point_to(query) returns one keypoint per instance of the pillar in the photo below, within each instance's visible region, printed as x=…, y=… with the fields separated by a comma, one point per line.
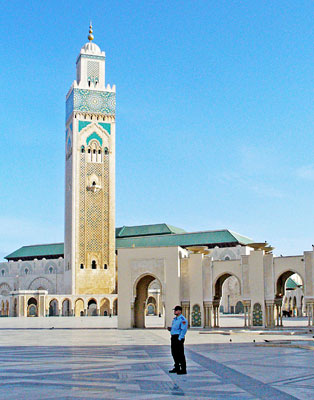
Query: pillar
x=207, y=315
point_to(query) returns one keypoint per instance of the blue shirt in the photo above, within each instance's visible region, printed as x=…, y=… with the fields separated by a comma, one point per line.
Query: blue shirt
x=179, y=326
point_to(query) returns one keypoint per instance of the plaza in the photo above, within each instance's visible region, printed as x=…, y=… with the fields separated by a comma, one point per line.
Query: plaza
x=129, y=364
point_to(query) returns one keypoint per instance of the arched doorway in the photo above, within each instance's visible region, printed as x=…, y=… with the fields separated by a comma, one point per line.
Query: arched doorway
x=289, y=300
x=228, y=306
x=105, y=307
x=79, y=308
x=32, y=307
x=66, y=308
x=53, y=308
x=92, y=308
x=145, y=287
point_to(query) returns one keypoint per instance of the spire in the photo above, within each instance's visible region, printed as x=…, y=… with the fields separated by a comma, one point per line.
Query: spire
x=90, y=36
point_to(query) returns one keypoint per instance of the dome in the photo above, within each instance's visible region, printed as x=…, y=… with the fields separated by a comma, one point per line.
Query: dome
x=91, y=47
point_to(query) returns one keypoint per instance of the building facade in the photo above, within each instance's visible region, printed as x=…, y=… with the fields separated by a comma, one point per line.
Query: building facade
x=151, y=268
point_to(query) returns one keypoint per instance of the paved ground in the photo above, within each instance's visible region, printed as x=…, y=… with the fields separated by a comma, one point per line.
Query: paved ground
x=111, y=364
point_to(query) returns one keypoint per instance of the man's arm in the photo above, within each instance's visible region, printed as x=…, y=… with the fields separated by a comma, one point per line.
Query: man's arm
x=184, y=328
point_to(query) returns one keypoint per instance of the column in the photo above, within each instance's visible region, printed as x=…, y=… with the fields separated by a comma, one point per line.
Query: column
x=245, y=324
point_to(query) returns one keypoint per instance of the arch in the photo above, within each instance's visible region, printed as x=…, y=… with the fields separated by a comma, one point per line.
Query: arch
x=26, y=267
x=137, y=280
x=151, y=300
x=5, y=289
x=239, y=308
x=281, y=280
x=105, y=307
x=227, y=253
x=92, y=307
x=32, y=310
x=53, y=308
x=115, y=307
x=4, y=270
x=7, y=308
x=140, y=291
x=151, y=309
x=79, y=307
x=66, y=307
x=94, y=136
x=53, y=265
x=220, y=281
x=41, y=282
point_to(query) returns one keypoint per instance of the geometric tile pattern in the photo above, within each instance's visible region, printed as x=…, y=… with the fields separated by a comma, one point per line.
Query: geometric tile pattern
x=92, y=101
x=215, y=371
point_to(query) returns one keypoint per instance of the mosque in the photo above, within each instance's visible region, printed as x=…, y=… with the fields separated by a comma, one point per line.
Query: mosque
x=135, y=271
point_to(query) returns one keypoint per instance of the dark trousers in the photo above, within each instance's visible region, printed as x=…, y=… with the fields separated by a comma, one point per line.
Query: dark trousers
x=177, y=351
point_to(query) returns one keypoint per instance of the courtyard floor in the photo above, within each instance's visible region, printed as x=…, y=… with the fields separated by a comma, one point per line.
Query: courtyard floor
x=133, y=364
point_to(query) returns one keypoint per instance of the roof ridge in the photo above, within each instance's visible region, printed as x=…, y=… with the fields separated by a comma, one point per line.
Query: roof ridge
x=178, y=234
x=42, y=244
x=237, y=233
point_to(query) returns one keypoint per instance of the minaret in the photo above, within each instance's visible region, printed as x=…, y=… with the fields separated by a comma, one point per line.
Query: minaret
x=90, y=177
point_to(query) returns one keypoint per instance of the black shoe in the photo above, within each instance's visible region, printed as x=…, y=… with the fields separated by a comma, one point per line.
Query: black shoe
x=173, y=371
x=182, y=372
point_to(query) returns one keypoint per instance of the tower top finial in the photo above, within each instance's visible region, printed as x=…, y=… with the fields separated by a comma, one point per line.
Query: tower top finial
x=90, y=36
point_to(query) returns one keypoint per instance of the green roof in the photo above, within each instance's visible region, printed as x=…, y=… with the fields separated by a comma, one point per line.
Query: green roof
x=158, y=235
x=291, y=284
x=207, y=238
x=147, y=230
x=39, y=250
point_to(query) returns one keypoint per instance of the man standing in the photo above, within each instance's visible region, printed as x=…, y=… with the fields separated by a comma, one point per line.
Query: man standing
x=178, y=331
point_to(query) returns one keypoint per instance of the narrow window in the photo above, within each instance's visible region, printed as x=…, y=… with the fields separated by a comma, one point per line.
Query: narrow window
x=50, y=270
x=2, y=272
x=99, y=151
x=94, y=265
x=94, y=151
x=26, y=271
x=105, y=266
x=94, y=183
x=88, y=150
x=82, y=266
x=82, y=149
x=106, y=150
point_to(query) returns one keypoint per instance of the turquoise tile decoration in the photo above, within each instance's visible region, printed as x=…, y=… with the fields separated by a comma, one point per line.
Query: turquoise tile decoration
x=91, y=101
x=69, y=106
x=106, y=126
x=94, y=101
x=83, y=124
x=257, y=315
x=94, y=136
x=196, y=315
x=91, y=57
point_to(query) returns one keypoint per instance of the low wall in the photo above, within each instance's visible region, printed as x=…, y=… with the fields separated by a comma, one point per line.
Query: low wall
x=58, y=322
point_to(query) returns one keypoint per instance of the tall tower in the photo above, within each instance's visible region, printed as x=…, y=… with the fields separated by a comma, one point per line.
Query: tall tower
x=90, y=177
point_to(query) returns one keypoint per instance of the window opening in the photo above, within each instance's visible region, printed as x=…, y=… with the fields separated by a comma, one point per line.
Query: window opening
x=105, y=266
x=82, y=266
x=94, y=265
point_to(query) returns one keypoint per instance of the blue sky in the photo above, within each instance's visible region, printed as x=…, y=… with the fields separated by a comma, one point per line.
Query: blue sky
x=214, y=115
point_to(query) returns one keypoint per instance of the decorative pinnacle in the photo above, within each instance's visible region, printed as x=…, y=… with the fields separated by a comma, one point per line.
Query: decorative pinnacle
x=90, y=36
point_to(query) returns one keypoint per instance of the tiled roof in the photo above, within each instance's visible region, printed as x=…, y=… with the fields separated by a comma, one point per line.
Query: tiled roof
x=158, y=235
